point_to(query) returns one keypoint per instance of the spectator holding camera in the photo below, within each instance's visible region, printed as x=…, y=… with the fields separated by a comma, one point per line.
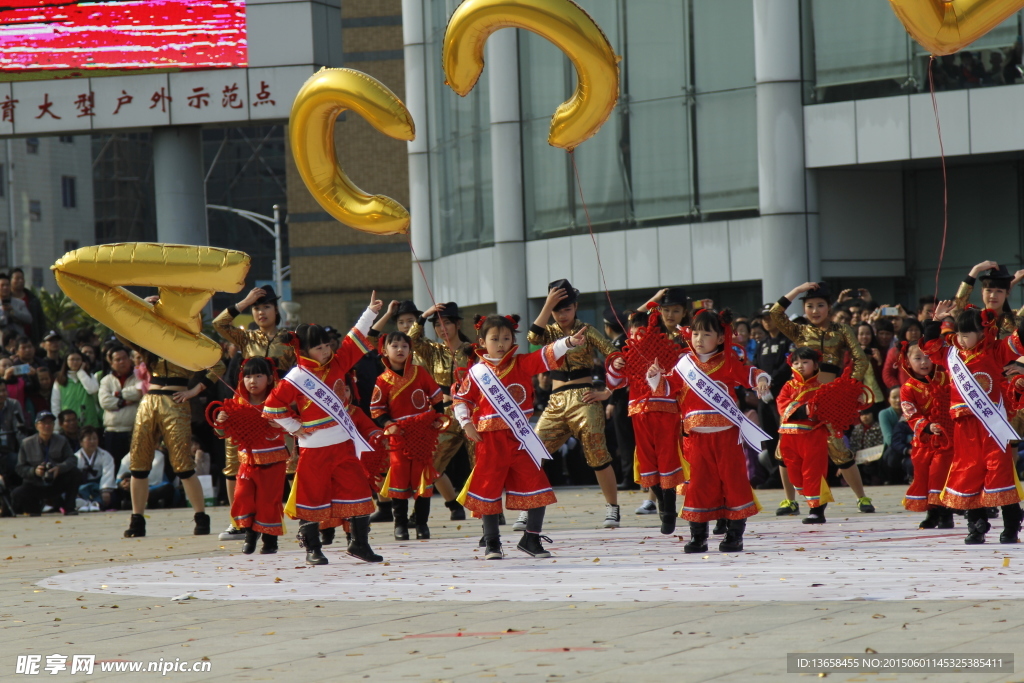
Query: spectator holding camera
x=76, y=389
x=48, y=469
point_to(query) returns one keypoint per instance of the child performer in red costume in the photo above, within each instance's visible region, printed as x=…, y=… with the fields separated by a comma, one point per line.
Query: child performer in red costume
x=718, y=484
x=656, y=425
x=256, y=507
x=803, y=440
x=493, y=405
x=403, y=392
x=924, y=398
x=329, y=482
x=982, y=473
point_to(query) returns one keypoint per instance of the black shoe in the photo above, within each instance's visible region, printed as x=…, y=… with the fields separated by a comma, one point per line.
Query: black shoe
x=668, y=523
x=945, y=517
x=202, y=524
x=864, y=504
x=315, y=557
x=531, y=545
x=931, y=519
x=628, y=486
x=327, y=536
x=787, y=507
x=269, y=545
x=136, y=526
x=991, y=513
x=1012, y=517
x=494, y=551
x=483, y=542
x=720, y=527
x=360, y=545
x=733, y=541
x=383, y=514
x=814, y=518
x=458, y=512
x=249, y=545
x=977, y=526
x=401, y=532
x=698, y=542
x=70, y=512
x=422, y=532
x=422, y=507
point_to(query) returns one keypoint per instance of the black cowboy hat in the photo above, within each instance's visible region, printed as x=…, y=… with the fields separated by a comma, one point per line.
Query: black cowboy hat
x=407, y=307
x=450, y=311
x=675, y=296
x=998, y=277
x=572, y=294
x=822, y=291
x=269, y=296
x=765, y=311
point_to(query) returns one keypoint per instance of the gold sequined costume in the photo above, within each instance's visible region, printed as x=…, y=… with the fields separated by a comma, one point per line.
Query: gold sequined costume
x=252, y=344
x=567, y=414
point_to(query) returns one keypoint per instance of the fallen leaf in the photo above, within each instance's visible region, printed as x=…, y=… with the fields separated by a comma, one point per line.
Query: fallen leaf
x=870, y=651
x=270, y=633
x=1006, y=561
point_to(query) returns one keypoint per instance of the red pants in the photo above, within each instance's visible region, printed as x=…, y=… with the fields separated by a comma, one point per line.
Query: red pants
x=981, y=474
x=718, y=486
x=406, y=475
x=931, y=468
x=331, y=483
x=658, y=450
x=257, y=504
x=502, y=465
x=806, y=458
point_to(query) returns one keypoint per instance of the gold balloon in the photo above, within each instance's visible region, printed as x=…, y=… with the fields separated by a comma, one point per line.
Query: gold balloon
x=565, y=24
x=947, y=26
x=187, y=276
x=324, y=96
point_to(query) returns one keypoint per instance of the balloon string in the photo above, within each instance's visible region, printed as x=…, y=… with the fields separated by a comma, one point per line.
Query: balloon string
x=433, y=303
x=945, y=184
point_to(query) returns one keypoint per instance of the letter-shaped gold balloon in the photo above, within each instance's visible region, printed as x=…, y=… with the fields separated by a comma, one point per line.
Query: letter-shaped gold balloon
x=565, y=24
x=324, y=96
x=947, y=26
x=187, y=276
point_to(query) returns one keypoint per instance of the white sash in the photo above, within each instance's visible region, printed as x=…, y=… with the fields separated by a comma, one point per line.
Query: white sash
x=509, y=410
x=720, y=400
x=991, y=415
x=328, y=401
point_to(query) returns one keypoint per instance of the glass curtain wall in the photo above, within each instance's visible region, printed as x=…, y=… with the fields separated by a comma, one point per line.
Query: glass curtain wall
x=859, y=50
x=459, y=141
x=681, y=144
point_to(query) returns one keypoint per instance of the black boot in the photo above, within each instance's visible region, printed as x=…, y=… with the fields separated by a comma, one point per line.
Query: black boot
x=360, y=545
x=666, y=508
x=816, y=515
x=249, y=546
x=977, y=526
x=458, y=512
x=401, y=511
x=531, y=545
x=721, y=526
x=1012, y=516
x=422, y=506
x=383, y=513
x=310, y=533
x=733, y=541
x=136, y=527
x=327, y=536
x=945, y=516
x=202, y=524
x=698, y=538
x=491, y=540
x=931, y=518
x=269, y=545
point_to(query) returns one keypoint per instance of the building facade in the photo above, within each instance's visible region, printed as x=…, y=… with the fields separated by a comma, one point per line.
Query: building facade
x=756, y=144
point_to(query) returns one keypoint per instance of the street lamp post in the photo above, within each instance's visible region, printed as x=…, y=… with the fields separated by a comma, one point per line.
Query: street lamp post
x=271, y=224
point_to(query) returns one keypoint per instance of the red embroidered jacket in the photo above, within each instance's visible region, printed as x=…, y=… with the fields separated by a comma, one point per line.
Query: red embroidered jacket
x=642, y=398
x=794, y=395
x=402, y=395
x=725, y=369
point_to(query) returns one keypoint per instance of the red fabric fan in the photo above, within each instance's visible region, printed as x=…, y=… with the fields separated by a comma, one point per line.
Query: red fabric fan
x=838, y=403
x=246, y=425
x=650, y=344
x=416, y=437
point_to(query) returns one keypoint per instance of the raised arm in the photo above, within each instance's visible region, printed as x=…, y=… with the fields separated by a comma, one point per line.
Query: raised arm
x=538, y=332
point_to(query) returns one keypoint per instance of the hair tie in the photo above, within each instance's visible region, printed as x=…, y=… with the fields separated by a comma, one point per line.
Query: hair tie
x=479, y=323
x=651, y=305
x=515, y=323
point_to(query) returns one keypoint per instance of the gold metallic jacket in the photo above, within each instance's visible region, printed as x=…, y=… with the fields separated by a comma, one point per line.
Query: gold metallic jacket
x=833, y=342
x=580, y=357
x=255, y=343
x=437, y=359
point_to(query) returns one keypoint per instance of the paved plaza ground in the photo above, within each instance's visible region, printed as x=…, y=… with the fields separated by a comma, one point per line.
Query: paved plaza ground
x=610, y=605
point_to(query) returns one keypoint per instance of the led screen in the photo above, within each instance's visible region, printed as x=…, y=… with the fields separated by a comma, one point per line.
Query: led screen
x=122, y=35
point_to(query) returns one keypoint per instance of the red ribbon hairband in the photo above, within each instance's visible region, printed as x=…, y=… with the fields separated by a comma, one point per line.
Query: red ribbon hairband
x=479, y=323
x=515, y=323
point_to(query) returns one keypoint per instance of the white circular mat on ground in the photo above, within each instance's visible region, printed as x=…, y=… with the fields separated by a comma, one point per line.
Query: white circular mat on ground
x=865, y=558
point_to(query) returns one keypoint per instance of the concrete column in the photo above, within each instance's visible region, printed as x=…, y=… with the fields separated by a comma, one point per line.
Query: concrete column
x=507, y=171
x=179, y=177
x=789, y=241
x=414, y=40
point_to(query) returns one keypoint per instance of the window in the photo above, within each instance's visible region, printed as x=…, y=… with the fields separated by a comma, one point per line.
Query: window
x=67, y=138
x=67, y=192
x=70, y=245
x=32, y=145
x=35, y=210
x=37, y=277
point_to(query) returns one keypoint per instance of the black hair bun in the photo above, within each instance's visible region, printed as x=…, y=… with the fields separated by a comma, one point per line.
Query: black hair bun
x=725, y=317
x=516, y=317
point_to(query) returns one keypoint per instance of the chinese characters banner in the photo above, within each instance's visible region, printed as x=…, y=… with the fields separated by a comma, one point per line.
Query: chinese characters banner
x=141, y=34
